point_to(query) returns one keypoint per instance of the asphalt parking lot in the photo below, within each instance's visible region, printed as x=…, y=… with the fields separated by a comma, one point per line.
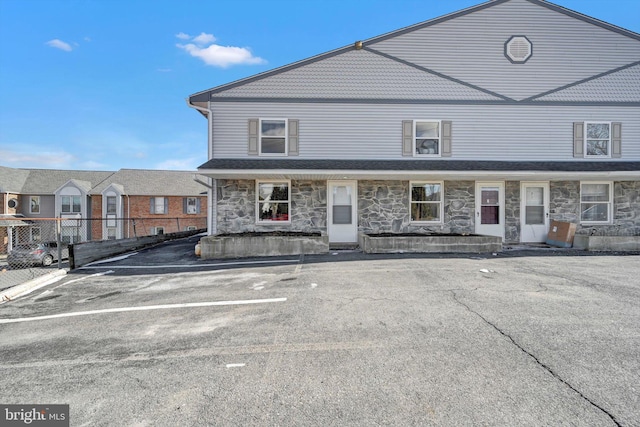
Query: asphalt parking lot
x=162, y=338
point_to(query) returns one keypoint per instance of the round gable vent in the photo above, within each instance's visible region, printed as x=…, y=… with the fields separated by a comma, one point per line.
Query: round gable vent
x=12, y=203
x=518, y=49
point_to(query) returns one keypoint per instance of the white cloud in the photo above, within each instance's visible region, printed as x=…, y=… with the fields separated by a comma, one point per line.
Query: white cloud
x=34, y=157
x=204, y=39
x=222, y=56
x=59, y=44
x=93, y=165
x=180, y=164
x=203, y=47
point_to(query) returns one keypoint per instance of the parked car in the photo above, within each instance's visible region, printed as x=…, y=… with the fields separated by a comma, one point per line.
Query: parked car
x=44, y=253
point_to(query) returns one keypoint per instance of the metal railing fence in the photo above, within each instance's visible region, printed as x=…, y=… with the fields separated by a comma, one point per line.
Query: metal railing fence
x=31, y=247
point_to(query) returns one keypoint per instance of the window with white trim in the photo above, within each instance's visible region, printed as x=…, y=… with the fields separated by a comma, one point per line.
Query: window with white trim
x=158, y=230
x=111, y=233
x=36, y=234
x=273, y=201
x=273, y=137
x=71, y=204
x=34, y=204
x=191, y=205
x=427, y=138
x=597, y=139
x=596, y=200
x=159, y=205
x=426, y=202
x=111, y=205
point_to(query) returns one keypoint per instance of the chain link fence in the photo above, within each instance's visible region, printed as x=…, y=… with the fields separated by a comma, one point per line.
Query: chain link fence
x=32, y=247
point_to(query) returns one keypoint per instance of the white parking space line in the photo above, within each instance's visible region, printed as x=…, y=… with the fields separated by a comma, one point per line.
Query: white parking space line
x=117, y=258
x=221, y=264
x=235, y=365
x=102, y=273
x=143, y=308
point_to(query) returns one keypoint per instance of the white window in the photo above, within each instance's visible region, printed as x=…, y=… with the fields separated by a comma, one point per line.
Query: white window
x=190, y=228
x=111, y=205
x=426, y=202
x=71, y=204
x=159, y=230
x=597, y=139
x=427, y=138
x=273, y=137
x=111, y=233
x=36, y=234
x=596, y=202
x=34, y=204
x=159, y=205
x=192, y=205
x=273, y=200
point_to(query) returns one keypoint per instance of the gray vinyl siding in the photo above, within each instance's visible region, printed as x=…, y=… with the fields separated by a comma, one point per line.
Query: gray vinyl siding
x=374, y=131
x=470, y=48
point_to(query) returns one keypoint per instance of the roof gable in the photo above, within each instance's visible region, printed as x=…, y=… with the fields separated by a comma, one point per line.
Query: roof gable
x=358, y=74
x=456, y=57
x=471, y=47
x=619, y=86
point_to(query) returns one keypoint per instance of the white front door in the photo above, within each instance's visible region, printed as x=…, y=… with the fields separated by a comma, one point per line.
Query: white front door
x=342, y=209
x=490, y=208
x=534, y=211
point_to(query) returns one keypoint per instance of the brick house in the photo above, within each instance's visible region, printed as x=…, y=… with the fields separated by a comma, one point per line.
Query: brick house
x=96, y=205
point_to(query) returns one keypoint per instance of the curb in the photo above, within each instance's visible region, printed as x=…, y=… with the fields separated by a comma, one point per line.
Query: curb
x=31, y=285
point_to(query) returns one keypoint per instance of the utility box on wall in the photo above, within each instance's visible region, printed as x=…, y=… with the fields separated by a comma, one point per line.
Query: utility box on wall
x=561, y=234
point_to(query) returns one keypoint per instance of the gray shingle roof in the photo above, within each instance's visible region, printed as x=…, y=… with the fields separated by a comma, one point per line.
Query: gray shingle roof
x=47, y=181
x=134, y=182
x=141, y=182
x=420, y=165
x=12, y=180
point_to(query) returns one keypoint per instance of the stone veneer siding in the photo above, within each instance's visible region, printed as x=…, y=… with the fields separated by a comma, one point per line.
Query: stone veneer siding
x=236, y=207
x=565, y=206
x=383, y=207
x=512, y=211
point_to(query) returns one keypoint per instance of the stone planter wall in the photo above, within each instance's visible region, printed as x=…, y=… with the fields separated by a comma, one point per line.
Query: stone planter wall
x=239, y=246
x=427, y=243
x=607, y=243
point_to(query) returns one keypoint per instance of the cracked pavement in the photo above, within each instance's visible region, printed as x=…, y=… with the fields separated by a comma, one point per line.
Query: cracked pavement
x=514, y=339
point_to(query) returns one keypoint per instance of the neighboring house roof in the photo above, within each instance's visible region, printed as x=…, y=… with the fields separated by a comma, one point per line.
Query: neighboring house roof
x=8, y=220
x=439, y=60
x=140, y=182
x=47, y=181
x=12, y=180
x=133, y=182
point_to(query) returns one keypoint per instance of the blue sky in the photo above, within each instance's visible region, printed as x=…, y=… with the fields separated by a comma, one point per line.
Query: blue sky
x=101, y=84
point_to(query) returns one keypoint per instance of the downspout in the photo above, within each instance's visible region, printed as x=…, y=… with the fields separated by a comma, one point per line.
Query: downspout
x=128, y=216
x=211, y=192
